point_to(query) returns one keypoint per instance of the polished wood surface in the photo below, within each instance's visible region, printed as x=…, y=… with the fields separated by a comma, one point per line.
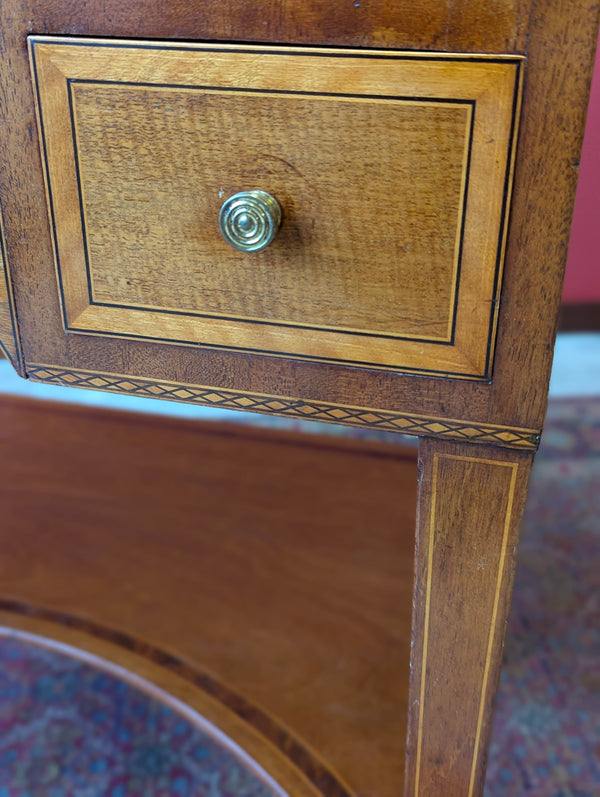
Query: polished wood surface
x=558, y=42
x=339, y=607
x=470, y=503
x=279, y=565
x=393, y=173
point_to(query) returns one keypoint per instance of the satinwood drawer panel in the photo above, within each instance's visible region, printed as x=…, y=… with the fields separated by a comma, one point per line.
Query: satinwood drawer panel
x=392, y=169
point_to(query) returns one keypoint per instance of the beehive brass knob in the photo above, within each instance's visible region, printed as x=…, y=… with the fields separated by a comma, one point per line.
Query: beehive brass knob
x=249, y=220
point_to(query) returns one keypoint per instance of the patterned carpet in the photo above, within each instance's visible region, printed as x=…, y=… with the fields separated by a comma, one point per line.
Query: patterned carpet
x=67, y=728
x=546, y=736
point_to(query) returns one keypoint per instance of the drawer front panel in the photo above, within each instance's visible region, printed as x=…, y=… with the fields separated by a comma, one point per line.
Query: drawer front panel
x=392, y=171
x=309, y=275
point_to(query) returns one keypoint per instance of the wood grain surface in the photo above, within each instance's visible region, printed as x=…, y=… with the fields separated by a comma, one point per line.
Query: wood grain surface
x=176, y=559
x=278, y=565
x=558, y=42
x=393, y=172
x=470, y=504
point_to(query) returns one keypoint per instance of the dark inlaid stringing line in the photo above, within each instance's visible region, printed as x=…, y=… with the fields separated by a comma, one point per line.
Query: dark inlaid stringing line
x=79, y=190
x=504, y=218
x=259, y=48
x=315, y=770
x=42, y=132
x=5, y=350
x=264, y=322
x=399, y=369
x=408, y=98
x=462, y=228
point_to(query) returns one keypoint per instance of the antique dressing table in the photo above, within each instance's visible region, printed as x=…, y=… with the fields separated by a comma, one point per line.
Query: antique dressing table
x=353, y=212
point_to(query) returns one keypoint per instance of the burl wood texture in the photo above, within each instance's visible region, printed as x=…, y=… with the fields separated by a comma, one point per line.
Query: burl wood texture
x=558, y=41
x=470, y=504
x=279, y=566
x=393, y=171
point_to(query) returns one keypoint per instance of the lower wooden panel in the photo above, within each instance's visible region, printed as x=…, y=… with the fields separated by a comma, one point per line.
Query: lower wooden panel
x=278, y=567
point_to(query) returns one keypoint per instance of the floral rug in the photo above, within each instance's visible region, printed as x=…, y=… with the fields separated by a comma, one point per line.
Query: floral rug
x=67, y=728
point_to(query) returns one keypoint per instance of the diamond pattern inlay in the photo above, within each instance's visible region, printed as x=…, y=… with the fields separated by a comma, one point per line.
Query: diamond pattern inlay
x=525, y=439
x=437, y=427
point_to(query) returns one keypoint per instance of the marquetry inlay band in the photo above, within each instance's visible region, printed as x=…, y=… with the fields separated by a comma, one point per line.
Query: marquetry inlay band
x=421, y=425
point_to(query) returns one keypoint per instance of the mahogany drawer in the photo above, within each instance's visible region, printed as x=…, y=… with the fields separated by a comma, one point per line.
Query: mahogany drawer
x=392, y=170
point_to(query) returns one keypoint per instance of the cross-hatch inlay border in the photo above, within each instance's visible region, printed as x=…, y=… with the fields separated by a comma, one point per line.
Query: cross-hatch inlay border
x=426, y=426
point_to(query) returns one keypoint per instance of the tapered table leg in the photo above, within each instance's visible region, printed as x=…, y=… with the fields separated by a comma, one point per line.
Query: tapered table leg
x=471, y=499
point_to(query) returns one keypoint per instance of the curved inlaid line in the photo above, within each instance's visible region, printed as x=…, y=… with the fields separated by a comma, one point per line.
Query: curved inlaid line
x=302, y=758
x=151, y=691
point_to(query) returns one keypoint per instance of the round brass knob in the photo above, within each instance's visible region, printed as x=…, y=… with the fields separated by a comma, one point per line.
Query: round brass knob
x=249, y=220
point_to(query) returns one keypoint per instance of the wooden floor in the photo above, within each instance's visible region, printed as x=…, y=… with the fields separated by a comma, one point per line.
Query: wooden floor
x=273, y=569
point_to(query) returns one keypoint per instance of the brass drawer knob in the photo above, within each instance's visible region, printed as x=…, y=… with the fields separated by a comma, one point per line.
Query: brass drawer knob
x=249, y=220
